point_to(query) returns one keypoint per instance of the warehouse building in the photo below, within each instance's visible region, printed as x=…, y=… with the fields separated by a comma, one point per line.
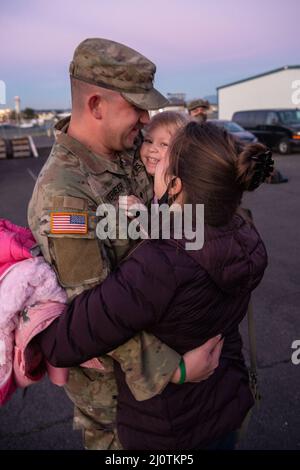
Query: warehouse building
x=279, y=88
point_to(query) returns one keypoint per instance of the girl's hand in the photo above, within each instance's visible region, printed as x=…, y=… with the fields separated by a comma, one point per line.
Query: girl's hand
x=125, y=202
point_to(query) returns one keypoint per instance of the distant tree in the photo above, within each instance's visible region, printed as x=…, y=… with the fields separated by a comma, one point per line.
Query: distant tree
x=12, y=115
x=29, y=113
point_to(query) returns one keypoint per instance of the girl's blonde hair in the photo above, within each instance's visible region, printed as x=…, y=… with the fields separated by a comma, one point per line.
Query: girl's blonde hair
x=173, y=120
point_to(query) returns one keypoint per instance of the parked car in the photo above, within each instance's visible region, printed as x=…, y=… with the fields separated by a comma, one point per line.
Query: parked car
x=237, y=131
x=277, y=128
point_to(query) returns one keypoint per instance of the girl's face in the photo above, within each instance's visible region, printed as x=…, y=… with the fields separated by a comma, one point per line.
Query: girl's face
x=154, y=147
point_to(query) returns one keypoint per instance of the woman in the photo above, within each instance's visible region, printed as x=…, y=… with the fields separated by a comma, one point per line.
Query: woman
x=182, y=297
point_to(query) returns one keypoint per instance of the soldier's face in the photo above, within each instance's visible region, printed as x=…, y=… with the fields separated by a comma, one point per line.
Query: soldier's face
x=198, y=111
x=154, y=148
x=123, y=122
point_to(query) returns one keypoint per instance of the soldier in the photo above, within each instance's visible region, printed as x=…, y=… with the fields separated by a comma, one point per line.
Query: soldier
x=94, y=161
x=198, y=109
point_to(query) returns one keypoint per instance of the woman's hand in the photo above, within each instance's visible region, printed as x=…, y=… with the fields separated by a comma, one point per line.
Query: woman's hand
x=201, y=362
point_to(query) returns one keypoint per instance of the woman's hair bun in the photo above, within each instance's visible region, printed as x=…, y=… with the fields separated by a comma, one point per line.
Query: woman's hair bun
x=253, y=165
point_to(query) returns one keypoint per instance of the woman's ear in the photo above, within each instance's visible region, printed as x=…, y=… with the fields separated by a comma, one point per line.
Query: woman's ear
x=95, y=106
x=175, y=186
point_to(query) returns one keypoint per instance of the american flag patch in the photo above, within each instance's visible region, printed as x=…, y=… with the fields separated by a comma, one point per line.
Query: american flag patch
x=68, y=222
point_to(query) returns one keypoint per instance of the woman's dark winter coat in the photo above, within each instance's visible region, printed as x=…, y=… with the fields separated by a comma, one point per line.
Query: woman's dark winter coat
x=184, y=298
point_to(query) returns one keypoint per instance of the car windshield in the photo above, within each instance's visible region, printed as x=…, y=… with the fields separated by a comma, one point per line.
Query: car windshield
x=233, y=127
x=290, y=117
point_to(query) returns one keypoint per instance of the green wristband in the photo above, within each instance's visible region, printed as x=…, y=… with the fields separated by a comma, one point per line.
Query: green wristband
x=182, y=371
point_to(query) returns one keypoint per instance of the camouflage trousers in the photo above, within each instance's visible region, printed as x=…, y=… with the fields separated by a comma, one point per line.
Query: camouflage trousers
x=94, y=395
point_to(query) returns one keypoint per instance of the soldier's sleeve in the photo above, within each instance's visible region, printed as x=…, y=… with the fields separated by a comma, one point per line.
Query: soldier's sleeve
x=148, y=364
x=64, y=228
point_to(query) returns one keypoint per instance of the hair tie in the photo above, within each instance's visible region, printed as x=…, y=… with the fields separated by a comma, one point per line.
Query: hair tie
x=263, y=167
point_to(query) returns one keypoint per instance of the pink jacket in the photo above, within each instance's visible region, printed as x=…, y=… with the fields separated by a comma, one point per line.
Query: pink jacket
x=30, y=299
x=15, y=244
x=24, y=281
x=29, y=366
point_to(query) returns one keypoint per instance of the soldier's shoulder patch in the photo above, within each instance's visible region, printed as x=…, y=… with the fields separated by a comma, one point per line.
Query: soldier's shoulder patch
x=68, y=223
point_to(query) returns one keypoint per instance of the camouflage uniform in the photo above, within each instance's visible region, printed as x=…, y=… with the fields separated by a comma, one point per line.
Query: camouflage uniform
x=74, y=180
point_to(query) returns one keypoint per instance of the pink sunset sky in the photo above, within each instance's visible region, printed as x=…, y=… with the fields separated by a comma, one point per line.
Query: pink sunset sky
x=197, y=45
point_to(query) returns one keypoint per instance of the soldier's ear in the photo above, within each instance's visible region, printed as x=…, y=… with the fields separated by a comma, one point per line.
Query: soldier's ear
x=95, y=106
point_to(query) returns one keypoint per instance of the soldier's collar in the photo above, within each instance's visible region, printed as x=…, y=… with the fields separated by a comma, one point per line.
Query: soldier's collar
x=95, y=164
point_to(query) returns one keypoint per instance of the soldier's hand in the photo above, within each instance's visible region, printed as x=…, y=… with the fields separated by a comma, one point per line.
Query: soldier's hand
x=201, y=362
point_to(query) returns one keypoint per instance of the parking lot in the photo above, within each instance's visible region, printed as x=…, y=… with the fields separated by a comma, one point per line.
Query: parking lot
x=42, y=417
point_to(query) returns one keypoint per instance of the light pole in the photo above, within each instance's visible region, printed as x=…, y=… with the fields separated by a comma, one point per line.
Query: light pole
x=17, y=109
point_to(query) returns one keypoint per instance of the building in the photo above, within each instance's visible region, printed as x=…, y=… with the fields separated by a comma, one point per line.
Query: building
x=176, y=103
x=5, y=114
x=45, y=116
x=273, y=89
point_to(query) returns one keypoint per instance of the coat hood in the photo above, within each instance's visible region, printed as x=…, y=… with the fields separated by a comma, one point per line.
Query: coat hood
x=234, y=256
x=15, y=244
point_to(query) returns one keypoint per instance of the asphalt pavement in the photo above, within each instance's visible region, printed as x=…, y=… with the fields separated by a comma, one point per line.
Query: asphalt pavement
x=41, y=418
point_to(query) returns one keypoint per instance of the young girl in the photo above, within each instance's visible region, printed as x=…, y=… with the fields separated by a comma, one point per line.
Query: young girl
x=182, y=297
x=157, y=137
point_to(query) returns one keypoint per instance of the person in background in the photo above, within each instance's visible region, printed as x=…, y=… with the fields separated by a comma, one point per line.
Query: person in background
x=198, y=109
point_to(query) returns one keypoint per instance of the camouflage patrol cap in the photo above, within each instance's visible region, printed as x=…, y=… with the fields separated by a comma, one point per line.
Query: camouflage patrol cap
x=199, y=103
x=109, y=64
